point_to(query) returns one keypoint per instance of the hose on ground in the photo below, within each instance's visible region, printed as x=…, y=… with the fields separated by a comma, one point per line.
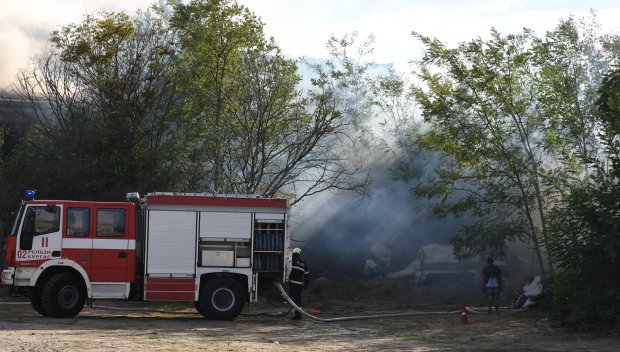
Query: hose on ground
x=486, y=311
x=300, y=310
x=149, y=310
x=270, y=314
x=357, y=317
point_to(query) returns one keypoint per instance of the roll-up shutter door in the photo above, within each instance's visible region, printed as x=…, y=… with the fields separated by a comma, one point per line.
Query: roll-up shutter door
x=220, y=225
x=171, y=242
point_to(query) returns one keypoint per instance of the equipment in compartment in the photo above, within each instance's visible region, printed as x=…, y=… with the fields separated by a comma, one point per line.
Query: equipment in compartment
x=224, y=254
x=269, y=246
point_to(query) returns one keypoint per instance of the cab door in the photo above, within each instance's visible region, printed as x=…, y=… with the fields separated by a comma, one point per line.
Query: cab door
x=77, y=242
x=111, y=253
x=40, y=235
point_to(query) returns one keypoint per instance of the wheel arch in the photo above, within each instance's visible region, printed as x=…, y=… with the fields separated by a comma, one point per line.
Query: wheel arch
x=51, y=268
x=242, y=279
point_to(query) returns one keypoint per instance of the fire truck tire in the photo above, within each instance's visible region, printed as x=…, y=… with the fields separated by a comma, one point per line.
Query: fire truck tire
x=221, y=298
x=35, y=301
x=63, y=296
x=198, y=309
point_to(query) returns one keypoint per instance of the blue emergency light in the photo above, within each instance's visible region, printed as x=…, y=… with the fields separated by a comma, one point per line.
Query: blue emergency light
x=29, y=194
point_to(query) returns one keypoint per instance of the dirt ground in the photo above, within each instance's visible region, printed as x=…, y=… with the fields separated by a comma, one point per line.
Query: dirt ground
x=263, y=328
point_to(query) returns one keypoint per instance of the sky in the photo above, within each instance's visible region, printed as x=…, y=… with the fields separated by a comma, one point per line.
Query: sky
x=302, y=27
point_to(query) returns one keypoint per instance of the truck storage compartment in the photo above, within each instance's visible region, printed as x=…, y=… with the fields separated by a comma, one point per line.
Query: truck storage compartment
x=269, y=243
x=224, y=253
x=171, y=243
x=225, y=225
x=243, y=253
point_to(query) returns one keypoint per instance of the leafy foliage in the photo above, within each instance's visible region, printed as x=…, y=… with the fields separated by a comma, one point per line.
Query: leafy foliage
x=103, y=98
x=586, y=232
x=586, y=243
x=514, y=118
x=578, y=302
x=395, y=106
x=479, y=103
x=609, y=111
x=254, y=131
x=187, y=97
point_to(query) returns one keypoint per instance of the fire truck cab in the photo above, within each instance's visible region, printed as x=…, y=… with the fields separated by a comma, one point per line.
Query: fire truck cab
x=213, y=250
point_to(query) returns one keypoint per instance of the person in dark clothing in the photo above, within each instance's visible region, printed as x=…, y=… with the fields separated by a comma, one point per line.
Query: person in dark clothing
x=298, y=279
x=492, y=284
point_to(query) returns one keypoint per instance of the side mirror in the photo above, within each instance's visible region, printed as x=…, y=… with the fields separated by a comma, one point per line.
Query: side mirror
x=27, y=234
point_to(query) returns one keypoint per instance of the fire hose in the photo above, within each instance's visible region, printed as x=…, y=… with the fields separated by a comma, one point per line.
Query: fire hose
x=300, y=310
x=357, y=317
x=136, y=309
x=167, y=311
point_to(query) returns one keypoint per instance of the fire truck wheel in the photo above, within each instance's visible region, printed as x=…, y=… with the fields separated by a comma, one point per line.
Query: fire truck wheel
x=198, y=309
x=221, y=298
x=63, y=296
x=35, y=301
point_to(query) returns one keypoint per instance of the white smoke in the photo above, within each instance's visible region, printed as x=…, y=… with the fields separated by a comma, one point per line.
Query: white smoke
x=25, y=26
x=338, y=229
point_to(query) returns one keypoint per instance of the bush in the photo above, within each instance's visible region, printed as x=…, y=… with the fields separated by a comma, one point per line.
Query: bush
x=584, y=304
x=585, y=241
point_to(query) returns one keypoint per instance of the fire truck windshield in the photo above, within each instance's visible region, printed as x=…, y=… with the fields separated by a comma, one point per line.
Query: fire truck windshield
x=18, y=219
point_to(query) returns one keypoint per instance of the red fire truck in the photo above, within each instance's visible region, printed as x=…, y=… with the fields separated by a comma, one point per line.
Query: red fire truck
x=213, y=250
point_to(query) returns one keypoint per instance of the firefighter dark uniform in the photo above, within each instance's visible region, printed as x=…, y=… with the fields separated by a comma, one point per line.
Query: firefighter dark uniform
x=298, y=279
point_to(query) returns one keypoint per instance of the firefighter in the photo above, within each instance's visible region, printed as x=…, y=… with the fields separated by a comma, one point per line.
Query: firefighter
x=298, y=279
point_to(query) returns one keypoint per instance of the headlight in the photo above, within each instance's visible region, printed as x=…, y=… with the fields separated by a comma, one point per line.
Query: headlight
x=7, y=275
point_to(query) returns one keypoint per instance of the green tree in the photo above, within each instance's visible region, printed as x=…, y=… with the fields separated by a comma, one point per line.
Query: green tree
x=586, y=244
x=478, y=102
x=104, y=98
x=572, y=60
x=255, y=130
x=192, y=97
x=214, y=36
x=608, y=117
x=585, y=231
x=514, y=119
x=399, y=127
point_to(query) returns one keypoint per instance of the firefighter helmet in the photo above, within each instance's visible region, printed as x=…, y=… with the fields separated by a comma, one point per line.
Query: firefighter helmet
x=296, y=251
